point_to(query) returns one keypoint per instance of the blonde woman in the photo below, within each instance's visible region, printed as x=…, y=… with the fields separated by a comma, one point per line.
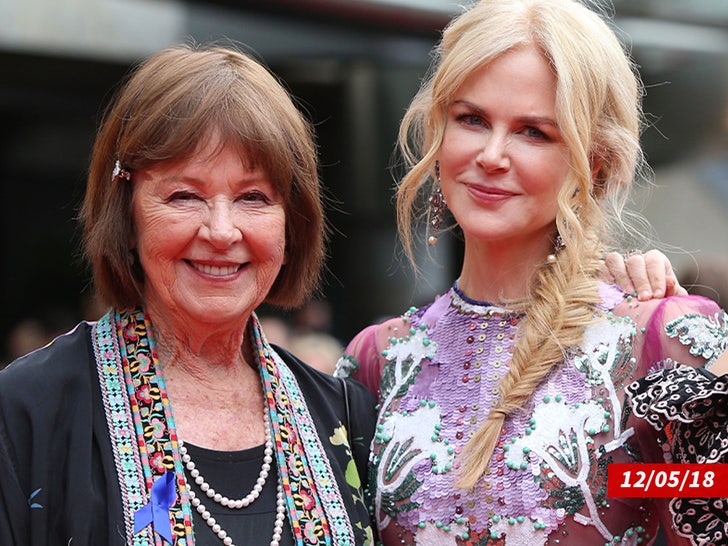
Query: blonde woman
x=501, y=403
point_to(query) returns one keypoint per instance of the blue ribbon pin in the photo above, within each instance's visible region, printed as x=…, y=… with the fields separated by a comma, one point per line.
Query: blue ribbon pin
x=156, y=511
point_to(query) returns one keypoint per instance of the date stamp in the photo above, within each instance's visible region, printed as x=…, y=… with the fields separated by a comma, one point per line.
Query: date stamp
x=667, y=480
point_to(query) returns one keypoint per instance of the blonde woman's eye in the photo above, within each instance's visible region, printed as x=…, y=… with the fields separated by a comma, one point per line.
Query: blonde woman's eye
x=538, y=134
x=470, y=119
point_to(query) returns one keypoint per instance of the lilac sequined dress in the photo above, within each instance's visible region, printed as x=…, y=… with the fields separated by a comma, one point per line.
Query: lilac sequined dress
x=436, y=372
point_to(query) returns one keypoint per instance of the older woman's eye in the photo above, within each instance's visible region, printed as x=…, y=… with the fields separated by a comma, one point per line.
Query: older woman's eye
x=182, y=196
x=255, y=196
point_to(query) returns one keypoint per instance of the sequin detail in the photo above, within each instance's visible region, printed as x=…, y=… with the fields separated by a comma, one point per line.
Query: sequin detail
x=706, y=336
x=440, y=381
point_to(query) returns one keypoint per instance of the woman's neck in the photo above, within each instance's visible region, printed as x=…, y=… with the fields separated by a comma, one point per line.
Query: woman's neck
x=180, y=339
x=213, y=384
x=500, y=272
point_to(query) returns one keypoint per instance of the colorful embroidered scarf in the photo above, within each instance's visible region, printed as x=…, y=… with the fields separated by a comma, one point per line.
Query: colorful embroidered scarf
x=145, y=444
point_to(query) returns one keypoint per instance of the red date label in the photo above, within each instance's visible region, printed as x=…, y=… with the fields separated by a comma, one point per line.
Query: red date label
x=667, y=480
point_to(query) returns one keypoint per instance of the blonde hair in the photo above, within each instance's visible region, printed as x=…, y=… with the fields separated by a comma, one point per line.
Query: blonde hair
x=170, y=105
x=598, y=110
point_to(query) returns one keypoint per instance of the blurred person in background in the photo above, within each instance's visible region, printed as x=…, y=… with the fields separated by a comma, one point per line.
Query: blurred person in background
x=319, y=349
x=36, y=331
x=277, y=329
x=26, y=336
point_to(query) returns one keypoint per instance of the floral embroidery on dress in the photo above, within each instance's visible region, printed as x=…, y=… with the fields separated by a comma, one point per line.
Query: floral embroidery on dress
x=551, y=462
x=706, y=336
x=547, y=479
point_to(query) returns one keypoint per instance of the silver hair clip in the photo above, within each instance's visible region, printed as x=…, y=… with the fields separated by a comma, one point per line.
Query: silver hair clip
x=119, y=172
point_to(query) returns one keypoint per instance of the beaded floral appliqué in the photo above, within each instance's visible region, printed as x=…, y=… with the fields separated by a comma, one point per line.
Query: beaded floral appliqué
x=557, y=446
x=551, y=469
x=401, y=438
x=706, y=336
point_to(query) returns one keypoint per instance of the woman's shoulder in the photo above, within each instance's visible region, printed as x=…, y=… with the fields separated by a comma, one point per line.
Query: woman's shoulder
x=49, y=369
x=327, y=391
x=686, y=329
x=672, y=313
x=381, y=333
x=363, y=357
x=665, y=309
x=43, y=393
x=313, y=378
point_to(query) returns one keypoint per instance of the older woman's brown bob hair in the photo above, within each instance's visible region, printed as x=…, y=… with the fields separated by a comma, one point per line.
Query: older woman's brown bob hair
x=170, y=105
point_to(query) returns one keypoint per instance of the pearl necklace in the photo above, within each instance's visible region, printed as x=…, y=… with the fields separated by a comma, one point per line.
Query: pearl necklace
x=222, y=534
x=237, y=504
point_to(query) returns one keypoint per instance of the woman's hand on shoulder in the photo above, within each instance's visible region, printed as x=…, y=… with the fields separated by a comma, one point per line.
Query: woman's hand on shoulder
x=648, y=275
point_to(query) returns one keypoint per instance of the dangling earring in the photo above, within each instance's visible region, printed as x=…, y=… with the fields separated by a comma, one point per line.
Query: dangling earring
x=437, y=208
x=558, y=246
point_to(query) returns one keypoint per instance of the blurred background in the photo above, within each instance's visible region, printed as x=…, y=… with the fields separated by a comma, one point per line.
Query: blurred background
x=353, y=65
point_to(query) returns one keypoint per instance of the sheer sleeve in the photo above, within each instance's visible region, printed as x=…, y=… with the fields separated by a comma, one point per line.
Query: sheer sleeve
x=691, y=330
x=677, y=394
x=363, y=358
x=682, y=406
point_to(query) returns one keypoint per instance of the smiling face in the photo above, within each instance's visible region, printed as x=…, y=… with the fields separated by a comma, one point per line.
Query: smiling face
x=210, y=234
x=502, y=159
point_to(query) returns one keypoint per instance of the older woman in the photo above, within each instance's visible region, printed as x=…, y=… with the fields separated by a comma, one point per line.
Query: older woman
x=171, y=419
